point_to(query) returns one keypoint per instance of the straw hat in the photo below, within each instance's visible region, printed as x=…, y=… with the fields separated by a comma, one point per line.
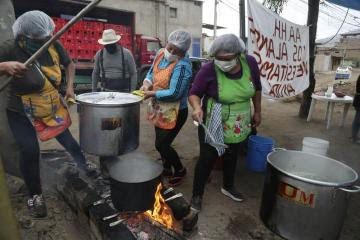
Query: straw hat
x=108, y=37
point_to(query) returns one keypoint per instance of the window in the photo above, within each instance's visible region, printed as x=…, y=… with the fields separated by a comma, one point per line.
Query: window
x=173, y=12
x=153, y=46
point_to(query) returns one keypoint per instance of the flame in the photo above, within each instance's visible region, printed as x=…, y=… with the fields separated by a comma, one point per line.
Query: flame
x=162, y=212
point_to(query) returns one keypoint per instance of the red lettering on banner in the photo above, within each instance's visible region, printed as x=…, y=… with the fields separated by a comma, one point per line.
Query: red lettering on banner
x=276, y=73
x=284, y=72
x=282, y=90
x=266, y=66
x=280, y=29
x=305, y=65
x=298, y=35
x=292, y=34
x=264, y=42
x=270, y=49
x=284, y=51
x=258, y=56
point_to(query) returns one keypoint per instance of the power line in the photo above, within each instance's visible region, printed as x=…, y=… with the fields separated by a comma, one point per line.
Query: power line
x=226, y=4
x=230, y=3
x=338, y=29
x=334, y=6
x=327, y=13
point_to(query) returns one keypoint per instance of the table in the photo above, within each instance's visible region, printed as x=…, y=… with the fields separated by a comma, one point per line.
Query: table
x=347, y=101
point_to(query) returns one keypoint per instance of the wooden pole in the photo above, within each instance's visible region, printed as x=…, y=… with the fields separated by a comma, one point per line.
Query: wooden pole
x=312, y=19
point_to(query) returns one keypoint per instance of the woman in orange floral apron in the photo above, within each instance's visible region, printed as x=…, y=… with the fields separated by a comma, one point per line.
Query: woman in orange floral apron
x=221, y=98
x=166, y=84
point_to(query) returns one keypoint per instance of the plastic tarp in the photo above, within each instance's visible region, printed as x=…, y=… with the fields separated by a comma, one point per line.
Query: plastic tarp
x=352, y=4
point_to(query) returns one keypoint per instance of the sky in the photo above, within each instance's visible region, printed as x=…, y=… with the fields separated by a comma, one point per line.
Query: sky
x=330, y=16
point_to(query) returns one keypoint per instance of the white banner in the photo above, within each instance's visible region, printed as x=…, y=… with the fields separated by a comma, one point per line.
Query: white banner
x=281, y=49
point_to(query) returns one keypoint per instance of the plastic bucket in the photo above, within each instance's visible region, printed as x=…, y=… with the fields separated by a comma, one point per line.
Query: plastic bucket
x=258, y=149
x=315, y=145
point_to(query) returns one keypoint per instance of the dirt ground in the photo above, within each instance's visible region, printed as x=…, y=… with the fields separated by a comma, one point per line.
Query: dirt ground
x=222, y=218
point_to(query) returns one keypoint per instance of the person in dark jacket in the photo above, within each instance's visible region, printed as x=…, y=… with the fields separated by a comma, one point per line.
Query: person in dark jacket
x=31, y=31
x=356, y=122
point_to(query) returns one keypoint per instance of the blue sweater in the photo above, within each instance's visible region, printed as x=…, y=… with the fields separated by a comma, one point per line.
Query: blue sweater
x=179, y=81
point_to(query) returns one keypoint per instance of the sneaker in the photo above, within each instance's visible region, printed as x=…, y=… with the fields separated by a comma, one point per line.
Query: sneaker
x=196, y=202
x=233, y=194
x=37, y=206
x=177, y=178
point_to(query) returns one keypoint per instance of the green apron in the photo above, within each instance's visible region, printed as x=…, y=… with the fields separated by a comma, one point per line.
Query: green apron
x=234, y=95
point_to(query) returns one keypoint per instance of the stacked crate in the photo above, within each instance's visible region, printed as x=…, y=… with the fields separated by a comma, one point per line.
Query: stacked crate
x=81, y=40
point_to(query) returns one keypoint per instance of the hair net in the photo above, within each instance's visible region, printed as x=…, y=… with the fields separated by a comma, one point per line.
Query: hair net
x=33, y=24
x=227, y=43
x=181, y=39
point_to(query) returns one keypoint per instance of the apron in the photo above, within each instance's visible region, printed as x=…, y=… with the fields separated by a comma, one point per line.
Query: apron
x=162, y=114
x=234, y=95
x=46, y=109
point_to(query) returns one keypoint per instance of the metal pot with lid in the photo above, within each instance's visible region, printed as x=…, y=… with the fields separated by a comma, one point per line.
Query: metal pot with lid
x=109, y=122
x=134, y=179
x=305, y=195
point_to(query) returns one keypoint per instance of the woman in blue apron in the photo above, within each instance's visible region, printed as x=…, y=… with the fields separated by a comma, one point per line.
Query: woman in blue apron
x=167, y=84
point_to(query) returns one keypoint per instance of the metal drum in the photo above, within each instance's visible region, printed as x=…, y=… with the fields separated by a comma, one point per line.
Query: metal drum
x=306, y=195
x=109, y=122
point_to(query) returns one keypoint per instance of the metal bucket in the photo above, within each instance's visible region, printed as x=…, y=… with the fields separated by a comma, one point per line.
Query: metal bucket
x=109, y=122
x=305, y=195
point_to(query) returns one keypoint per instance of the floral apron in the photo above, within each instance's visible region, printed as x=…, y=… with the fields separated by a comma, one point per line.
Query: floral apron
x=162, y=114
x=234, y=95
x=47, y=109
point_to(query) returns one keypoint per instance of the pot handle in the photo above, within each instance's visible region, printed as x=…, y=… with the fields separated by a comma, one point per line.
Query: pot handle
x=278, y=149
x=356, y=190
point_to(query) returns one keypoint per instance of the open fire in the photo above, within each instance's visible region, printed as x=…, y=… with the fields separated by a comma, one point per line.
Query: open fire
x=161, y=212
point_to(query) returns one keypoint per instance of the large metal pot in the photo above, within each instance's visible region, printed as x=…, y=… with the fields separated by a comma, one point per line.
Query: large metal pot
x=109, y=122
x=134, y=178
x=306, y=195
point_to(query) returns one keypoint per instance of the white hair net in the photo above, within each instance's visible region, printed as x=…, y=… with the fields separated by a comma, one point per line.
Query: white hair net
x=33, y=24
x=181, y=39
x=227, y=44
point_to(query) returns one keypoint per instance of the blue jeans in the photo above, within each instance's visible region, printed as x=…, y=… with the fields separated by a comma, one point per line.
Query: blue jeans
x=356, y=126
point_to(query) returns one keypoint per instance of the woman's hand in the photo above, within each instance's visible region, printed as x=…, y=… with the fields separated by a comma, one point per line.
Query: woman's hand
x=149, y=94
x=257, y=119
x=198, y=114
x=70, y=93
x=13, y=68
x=146, y=86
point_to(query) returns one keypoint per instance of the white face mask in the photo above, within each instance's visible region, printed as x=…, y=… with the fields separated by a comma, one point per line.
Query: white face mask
x=226, y=66
x=170, y=57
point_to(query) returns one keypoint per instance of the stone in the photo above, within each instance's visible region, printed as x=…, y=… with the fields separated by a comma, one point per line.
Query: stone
x=26, y=222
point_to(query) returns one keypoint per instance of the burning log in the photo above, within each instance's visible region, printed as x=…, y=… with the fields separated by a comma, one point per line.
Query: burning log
x=178, y=204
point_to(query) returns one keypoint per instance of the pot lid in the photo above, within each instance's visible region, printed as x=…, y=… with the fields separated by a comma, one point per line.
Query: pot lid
x=108, y=98
x=134, y=167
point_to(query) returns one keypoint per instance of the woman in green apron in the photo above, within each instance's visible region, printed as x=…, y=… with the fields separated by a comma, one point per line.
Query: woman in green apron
x=221, y=100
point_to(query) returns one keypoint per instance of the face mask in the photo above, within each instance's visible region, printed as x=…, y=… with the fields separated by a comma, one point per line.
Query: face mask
x=111, y=48
x=170, y=57
x=226, y=66
x=32, y=45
